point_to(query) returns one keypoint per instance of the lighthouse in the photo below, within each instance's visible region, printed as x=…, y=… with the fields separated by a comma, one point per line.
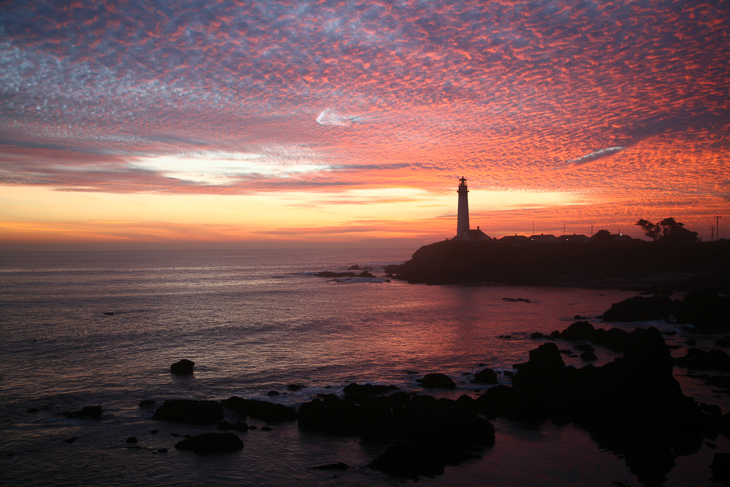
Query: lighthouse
x=462, y=224
x=463, y=232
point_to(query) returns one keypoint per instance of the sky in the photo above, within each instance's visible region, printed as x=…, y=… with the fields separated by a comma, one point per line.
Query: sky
x=244, y=123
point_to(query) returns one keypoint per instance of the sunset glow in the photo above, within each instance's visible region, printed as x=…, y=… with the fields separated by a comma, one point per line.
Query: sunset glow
x=242, y=122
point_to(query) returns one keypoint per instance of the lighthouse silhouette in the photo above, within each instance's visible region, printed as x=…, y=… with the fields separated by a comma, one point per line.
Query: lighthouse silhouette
x=463, y=232
x=462, y=223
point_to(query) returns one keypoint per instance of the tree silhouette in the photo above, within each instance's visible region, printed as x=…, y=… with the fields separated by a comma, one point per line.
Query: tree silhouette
x=667, y=230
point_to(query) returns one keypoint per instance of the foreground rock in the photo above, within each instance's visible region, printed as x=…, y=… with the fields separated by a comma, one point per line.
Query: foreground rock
x=486, y=376
x=414, y=420
x=708, y=311
x=697, y=359
x=437, y=381
x=190, y=411
x=206, y=443
x=182, y=367
x=268, y=411
x=641, y=308
x=614, y=339
x=633, y=406
x=414, y=459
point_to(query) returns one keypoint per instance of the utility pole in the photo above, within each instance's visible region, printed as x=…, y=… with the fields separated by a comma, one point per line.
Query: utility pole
x=717, y=222
x=712, y=234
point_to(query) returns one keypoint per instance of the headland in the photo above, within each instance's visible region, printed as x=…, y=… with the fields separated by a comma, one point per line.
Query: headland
x=637, y=264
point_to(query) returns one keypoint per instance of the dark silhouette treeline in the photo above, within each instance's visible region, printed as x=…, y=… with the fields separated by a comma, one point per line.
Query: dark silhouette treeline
x=679, y=265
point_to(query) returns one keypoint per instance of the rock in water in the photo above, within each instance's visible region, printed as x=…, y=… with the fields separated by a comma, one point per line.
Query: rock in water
x=641, y=309
x=437, y=381
x=211, y=443
x=88, y=412
x=183, y=367
x=486, y=376
x=190, y=411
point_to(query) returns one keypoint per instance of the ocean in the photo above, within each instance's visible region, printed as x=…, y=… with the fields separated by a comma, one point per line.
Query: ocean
x=103, y=327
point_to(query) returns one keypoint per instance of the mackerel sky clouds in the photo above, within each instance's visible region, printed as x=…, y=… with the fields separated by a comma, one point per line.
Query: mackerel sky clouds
x=590, y=113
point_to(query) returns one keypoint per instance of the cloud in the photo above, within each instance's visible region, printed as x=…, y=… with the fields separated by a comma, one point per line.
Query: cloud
x=594, y=156
x=330, y=118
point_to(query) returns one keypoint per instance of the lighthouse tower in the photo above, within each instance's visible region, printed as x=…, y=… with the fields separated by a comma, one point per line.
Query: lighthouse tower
x=463, y=217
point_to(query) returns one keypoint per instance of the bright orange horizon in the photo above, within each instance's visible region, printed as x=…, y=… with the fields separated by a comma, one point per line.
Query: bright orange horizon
x=313, y=123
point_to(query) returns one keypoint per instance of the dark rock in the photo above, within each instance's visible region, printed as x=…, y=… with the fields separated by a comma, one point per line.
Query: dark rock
x=354, y=268
x=537, y=335
x=132, y=439
x=437, y=381
x=109, y=313
x=544, y=369
x=335, y=274
x=588, y=356
x=366, y=274
x=516, y=300
x=70, y=440
x=329, y=414
x=146, y=402
x=358, y=392
x=398, y=416
x=414, y=459
x=162, y=450
x=722, y=342
x=580, y=330
x=486, y=376
x=697, y=359
x=154, y=432
x=641, y=309
x=88, y=412
x=721, y=467
x=295, y=387
x=584, y=347
x=32, y=410
x=260, y=409
x=266, y=428
x=190, y=411
x=182, y=367
x=272, y=393
x=332, y=466
x=211, y=443
x=707, y=311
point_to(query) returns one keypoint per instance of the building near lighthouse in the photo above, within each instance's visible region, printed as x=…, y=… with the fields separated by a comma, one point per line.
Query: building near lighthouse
x=463, y=232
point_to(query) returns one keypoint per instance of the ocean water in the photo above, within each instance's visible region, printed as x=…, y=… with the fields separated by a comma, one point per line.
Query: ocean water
x=102, y=328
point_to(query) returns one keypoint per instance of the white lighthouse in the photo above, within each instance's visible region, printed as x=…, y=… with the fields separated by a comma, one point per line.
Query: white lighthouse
x=463, y=232
x=462, y=224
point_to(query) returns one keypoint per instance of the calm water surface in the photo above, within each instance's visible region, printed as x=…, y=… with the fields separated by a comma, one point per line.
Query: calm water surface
x=253, y=322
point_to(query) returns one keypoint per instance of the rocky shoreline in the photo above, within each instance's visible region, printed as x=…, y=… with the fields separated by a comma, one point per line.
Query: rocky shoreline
x=632, y=406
